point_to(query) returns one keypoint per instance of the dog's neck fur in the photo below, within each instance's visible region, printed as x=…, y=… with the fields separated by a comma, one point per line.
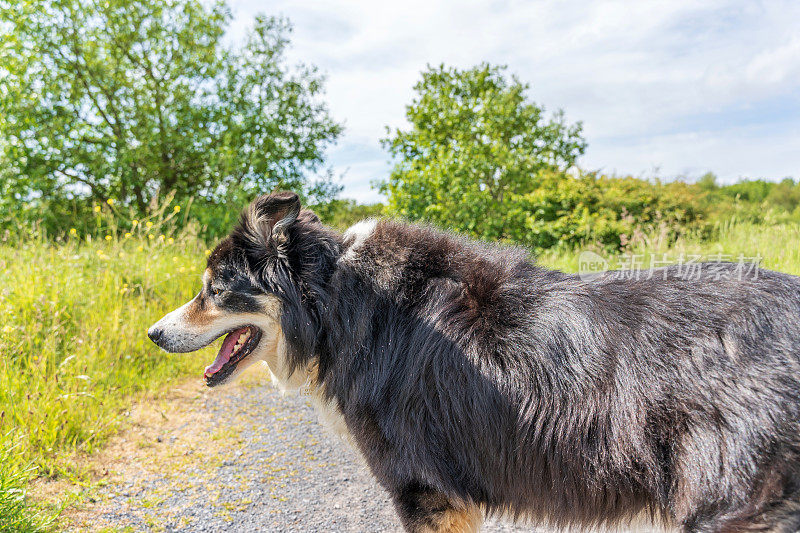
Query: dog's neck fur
x=304, y=288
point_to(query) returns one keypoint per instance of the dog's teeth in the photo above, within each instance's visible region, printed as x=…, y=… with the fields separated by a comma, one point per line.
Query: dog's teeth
x=240, y=342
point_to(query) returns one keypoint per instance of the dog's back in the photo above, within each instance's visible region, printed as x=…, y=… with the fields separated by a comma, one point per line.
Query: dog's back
x=472, y=378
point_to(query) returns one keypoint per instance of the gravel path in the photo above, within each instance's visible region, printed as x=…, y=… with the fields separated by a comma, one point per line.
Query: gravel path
x=238, y=459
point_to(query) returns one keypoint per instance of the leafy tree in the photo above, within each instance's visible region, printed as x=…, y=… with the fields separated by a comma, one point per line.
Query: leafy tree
x=127, y=99
x=475, y=149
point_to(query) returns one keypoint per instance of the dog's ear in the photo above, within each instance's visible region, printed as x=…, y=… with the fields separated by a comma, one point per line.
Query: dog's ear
x=269, y=216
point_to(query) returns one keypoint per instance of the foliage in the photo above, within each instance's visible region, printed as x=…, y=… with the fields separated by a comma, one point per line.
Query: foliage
x=129, y=99
x=475, y=149
x=564, y=211
x=341, y=213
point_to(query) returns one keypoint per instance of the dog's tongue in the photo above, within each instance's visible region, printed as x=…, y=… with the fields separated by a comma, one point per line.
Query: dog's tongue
x=224, y=354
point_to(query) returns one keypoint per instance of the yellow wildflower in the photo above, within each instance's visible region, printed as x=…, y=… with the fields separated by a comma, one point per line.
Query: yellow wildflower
x=151, y=236
x=110, y=201
x=97, y=209
x=177, y=209
x=128, y=235
x=108, y=237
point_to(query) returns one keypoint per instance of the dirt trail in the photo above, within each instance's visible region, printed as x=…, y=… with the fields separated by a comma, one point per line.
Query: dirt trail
x=237, y=459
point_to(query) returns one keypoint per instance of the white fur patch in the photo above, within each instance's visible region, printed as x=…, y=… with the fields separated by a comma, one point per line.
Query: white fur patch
x=330, y=417
x=276, y=357
x=305, y=383
x=359, y=233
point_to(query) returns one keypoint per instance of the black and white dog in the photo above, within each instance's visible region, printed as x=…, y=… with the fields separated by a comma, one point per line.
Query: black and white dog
x=475, y=382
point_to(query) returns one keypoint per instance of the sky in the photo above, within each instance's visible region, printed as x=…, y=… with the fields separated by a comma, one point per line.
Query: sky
x=665, y=89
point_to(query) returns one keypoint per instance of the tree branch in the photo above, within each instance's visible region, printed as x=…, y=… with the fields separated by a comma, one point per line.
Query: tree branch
x=97, y=191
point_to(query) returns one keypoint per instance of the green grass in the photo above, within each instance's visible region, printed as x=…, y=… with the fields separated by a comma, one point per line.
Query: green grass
x=75, y=354
x=73, y=336
x=15, y=511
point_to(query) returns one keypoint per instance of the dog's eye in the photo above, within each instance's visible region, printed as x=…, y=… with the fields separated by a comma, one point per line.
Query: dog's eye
x=216, y=291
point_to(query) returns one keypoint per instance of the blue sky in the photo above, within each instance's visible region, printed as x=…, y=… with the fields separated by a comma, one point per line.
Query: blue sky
x=664, y=88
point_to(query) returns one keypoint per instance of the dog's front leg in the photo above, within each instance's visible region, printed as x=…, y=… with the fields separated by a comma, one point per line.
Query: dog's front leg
x=425, y=510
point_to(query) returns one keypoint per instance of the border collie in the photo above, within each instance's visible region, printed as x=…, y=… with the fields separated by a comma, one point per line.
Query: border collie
x=474, y=382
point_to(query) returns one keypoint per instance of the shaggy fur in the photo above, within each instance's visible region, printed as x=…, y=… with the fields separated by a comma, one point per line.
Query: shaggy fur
x=470, y=378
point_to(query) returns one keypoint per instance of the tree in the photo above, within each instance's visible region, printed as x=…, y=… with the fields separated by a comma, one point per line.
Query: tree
x=127, y=99
x=476, y=147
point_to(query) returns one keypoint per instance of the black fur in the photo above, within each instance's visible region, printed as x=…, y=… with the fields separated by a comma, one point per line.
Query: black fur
x=467, y=375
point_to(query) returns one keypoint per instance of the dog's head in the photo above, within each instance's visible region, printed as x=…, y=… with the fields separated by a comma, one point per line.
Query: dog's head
x=245, y=286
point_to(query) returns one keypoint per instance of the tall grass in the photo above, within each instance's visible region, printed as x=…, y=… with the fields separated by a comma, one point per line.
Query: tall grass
x=75, y=311
x=16, y=514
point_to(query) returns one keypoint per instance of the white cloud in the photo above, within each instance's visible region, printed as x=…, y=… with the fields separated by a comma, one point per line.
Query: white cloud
x=776, y=66
x=642, y=76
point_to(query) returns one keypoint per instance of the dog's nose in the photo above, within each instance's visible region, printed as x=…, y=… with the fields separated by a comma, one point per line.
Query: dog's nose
x=155, y=334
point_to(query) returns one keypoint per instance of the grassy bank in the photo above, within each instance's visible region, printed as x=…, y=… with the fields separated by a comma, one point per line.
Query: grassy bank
x=75, y=352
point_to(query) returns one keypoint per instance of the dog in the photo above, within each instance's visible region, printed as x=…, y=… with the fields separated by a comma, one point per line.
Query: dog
x=476, y=383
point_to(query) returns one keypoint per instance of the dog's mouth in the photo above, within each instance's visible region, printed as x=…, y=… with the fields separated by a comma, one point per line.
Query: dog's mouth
x=238, y=344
